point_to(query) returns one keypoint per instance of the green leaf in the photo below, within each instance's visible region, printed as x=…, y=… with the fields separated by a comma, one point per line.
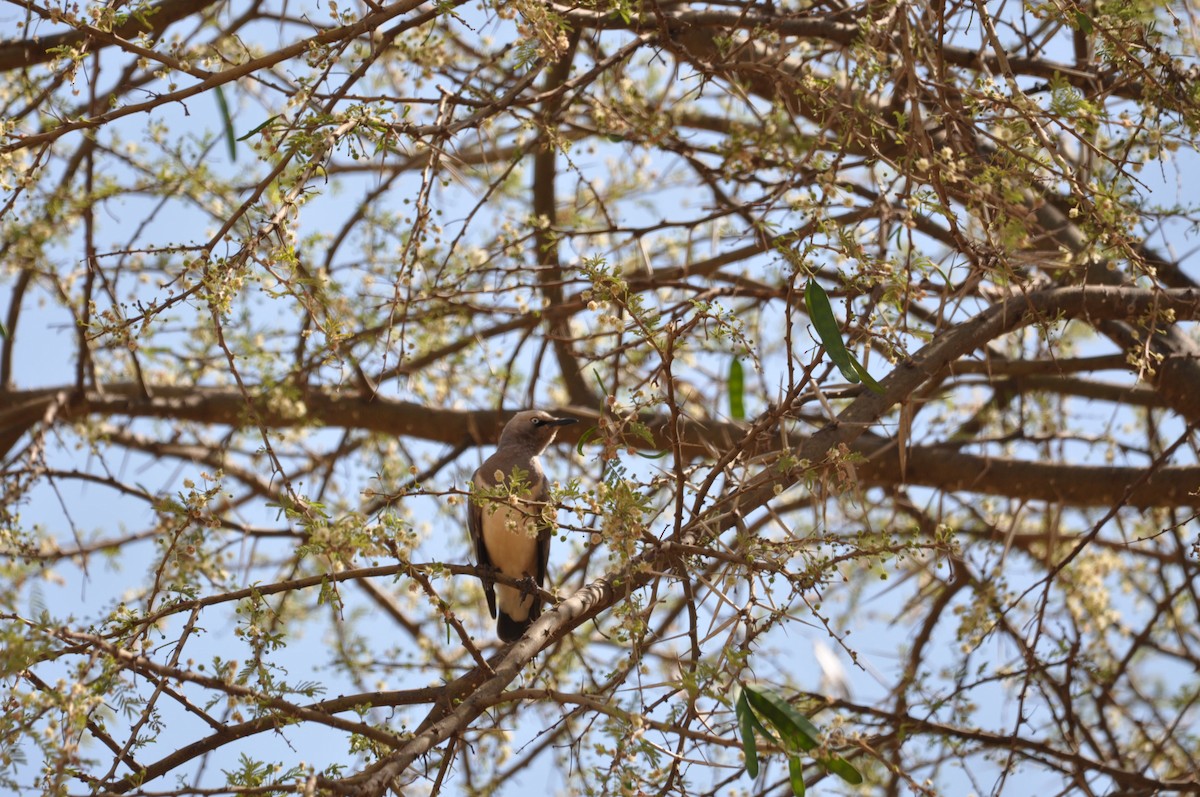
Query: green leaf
x=230, y=138
x=796, y=775
x=260, y=127
x=623, y=11
x=830, y=334
x=600, y=382
x=793, y=726
x=643, y=431
x=746, y=723
x=737, y=387
x=842, y=768
x=1083, y=22
x=798, y=734
x=867, y=379
x=583, y=438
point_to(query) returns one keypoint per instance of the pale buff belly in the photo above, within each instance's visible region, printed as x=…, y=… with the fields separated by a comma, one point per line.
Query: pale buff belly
x=513, y=553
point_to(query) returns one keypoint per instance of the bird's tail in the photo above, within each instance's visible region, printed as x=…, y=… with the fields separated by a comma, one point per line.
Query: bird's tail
x=510, y=630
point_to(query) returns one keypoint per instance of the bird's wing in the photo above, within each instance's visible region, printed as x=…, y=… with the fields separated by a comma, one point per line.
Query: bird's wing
x=544, y=532
x=482, y=560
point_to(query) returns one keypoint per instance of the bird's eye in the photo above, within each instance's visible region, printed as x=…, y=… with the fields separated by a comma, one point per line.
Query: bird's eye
x=536, y=421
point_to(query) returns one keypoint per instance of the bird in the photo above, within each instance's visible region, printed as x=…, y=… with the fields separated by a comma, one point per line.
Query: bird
x=513, y=538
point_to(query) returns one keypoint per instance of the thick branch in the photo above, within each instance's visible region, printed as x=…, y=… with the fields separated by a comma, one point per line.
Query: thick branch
x=1074, y=485
x=930, y=466
x=545, y=240
x=933, y=466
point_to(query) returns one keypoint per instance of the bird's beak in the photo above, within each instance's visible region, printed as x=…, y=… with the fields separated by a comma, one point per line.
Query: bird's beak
x=562, y=422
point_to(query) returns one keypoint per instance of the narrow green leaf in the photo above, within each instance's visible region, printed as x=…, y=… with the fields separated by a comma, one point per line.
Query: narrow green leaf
x=796, y=775
x=230, y=138
x=737, y=387
x=260, y=127
x=583, y=438
x=3, y=330
x=867, y=379
x=842, y=768
x=820, y=311
x=600, y=382
x=746, y=721
x=793, y=726
x=1083, y=22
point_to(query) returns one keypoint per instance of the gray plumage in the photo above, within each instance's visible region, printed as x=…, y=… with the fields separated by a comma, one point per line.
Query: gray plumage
x=514, y=539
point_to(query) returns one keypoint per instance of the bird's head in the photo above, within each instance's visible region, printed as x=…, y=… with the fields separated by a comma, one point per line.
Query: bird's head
x=533, y=429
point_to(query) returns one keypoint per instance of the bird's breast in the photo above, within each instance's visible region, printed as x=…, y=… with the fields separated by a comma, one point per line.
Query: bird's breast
x=510, y=535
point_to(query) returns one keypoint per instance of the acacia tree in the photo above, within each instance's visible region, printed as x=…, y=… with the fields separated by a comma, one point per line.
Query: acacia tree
x=871, y=312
